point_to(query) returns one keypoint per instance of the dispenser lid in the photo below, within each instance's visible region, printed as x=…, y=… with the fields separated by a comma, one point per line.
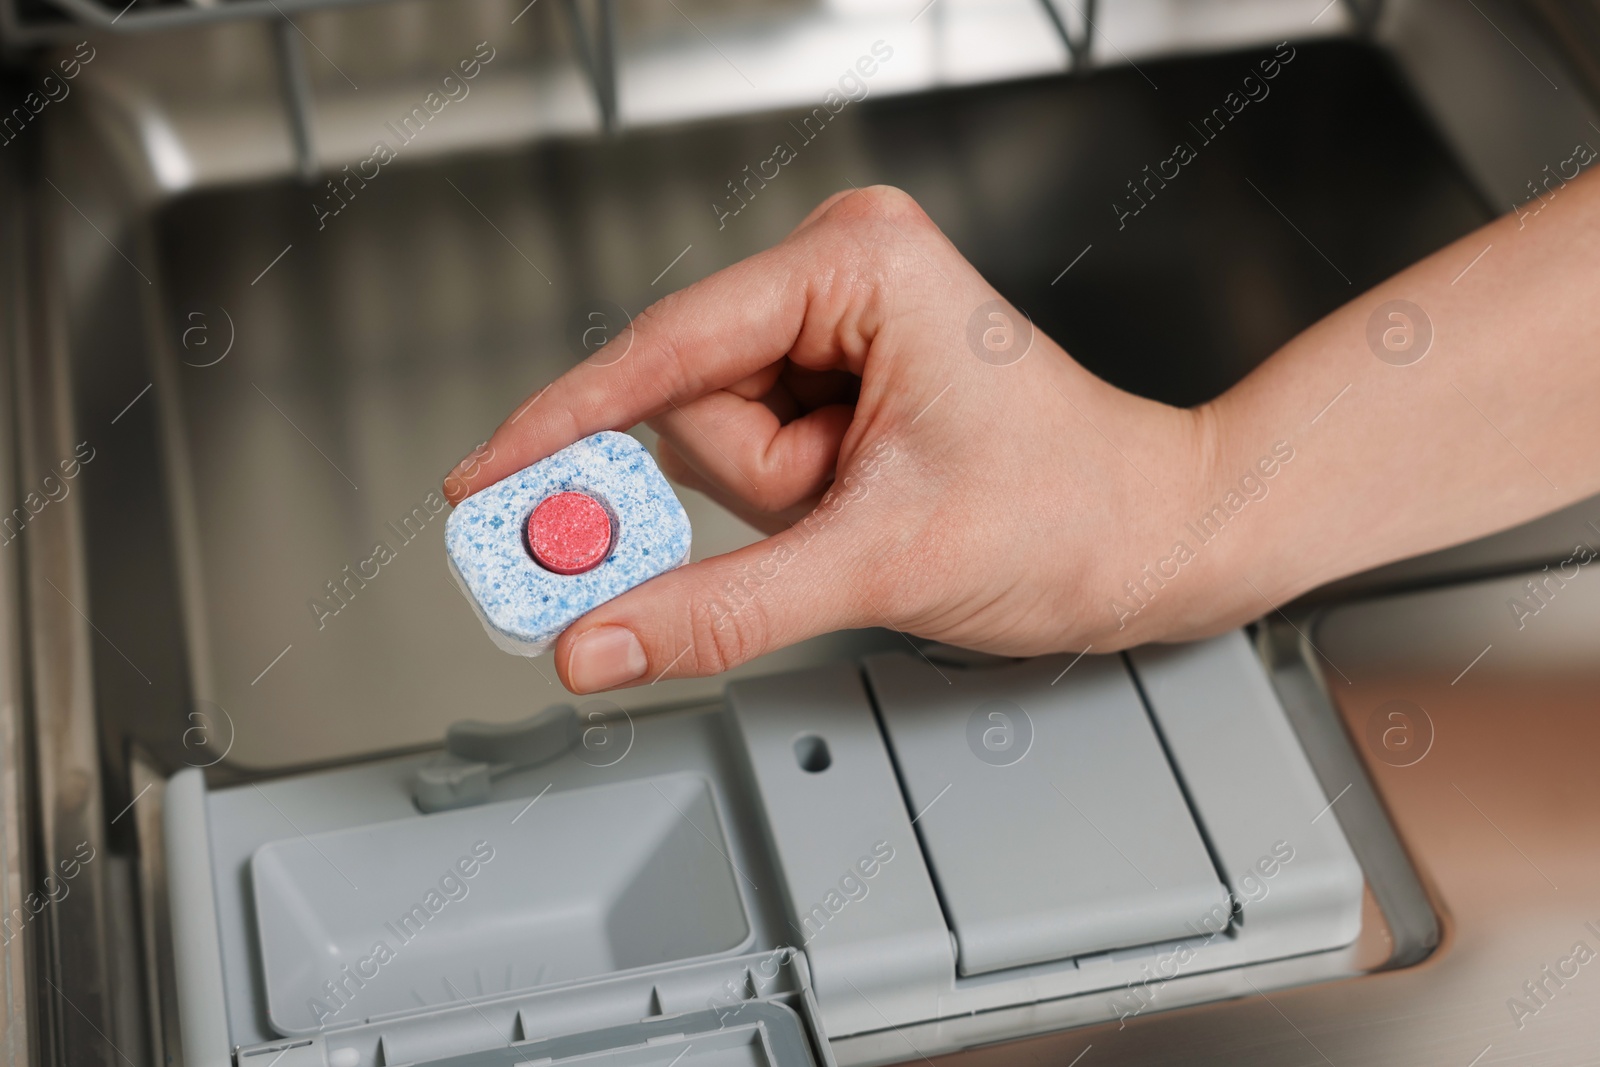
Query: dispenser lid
x=1052, y=820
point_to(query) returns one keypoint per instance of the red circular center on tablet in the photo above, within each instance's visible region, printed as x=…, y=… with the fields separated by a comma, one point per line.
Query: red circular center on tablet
x=569, y=533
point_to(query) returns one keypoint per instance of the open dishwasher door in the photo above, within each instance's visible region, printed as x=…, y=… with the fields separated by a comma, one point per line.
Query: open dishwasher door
x=780, y=876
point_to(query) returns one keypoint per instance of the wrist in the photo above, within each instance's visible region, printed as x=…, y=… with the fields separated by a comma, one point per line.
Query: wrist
x=1208, y=552
x=1240, y=522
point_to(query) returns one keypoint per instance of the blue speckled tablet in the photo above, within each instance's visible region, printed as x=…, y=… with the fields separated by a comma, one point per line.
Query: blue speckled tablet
x=524, y=606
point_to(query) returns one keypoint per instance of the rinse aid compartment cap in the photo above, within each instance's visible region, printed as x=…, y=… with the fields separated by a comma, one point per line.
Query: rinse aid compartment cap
x=1271, y=824
x=1053, y=823
x=535, y=552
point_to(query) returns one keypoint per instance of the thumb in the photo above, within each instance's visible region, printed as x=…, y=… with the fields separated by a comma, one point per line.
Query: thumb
x=707, y=617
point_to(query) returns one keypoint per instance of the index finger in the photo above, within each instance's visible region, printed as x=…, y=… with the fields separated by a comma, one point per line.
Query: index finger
x=700, y=339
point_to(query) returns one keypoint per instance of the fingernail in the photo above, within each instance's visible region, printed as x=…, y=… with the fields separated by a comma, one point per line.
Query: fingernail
x=456, y=480
x=604, y=657
x=454, y=485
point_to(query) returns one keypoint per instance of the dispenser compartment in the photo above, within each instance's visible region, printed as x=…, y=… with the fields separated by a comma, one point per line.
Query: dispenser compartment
x=377, y=919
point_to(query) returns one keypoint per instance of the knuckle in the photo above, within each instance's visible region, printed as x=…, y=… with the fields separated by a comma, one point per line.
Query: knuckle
x=770, y=496
x=865, y=237
x=553, y=423
x=822, y=209
x=650, y=324
x=725, y=631
x=653, y=312
x=663, y=367
x=877, y=205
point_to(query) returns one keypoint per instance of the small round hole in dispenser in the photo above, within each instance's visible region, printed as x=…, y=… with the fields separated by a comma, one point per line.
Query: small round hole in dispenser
x=811, y=752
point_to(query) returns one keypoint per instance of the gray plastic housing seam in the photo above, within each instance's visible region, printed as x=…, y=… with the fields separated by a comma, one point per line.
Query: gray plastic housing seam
x=1252, y=786
x=883, y=962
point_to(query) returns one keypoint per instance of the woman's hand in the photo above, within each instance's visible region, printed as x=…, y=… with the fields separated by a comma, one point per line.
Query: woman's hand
x=925, y=461
x=922, y=459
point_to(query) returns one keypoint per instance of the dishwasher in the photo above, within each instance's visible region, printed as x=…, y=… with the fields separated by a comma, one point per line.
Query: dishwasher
x=269, y=264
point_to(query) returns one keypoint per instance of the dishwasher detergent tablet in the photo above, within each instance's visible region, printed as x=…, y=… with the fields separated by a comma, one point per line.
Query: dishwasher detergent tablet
x=557, y=539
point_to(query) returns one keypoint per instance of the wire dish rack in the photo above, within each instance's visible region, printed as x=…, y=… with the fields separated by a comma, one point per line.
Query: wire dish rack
x=598, y=41
x=137, y=15
x=26, y=20
x=592, y=31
